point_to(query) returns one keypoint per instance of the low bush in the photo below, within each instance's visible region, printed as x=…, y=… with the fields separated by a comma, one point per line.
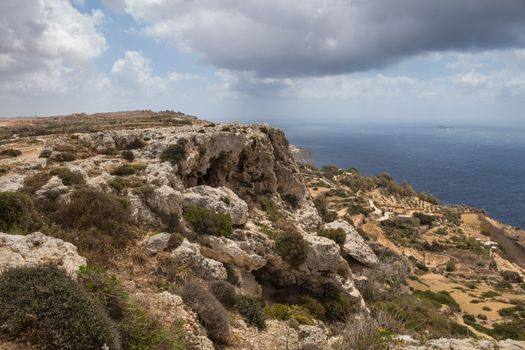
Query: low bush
x=33, y=183
x=356, y=209
x=503, y=285
x=422, y=315
x=174, y=153
x=17, y=213
x=137, y=329
x=469, y=318
x=313, y=305
x=375, y=330
x=44, y=306
x=207, y=222
x=490, y=294
x=92, y=209
x=63, y=157
x=224, y=291
x=511, y=276
x=301, y=315
x=277, y=311
x=292, y=199
x=322, y=207
x=128, y=155
x=125, y=170
x=338, y=307
x=68, y=177
x=338, y=235
x=442, y=297
x=451, y=266
x=291, y=246
x=9, y=152
x=251, y=311
x=212, y=315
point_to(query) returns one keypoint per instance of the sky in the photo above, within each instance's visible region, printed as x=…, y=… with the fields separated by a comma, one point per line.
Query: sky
x=400, y=61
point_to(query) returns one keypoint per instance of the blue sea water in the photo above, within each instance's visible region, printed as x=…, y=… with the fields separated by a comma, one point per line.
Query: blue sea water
x=483, y=167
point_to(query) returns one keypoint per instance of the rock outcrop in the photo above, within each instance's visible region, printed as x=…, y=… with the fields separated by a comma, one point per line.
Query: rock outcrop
x=187, y=257
x=355, y=246
x=38, y=249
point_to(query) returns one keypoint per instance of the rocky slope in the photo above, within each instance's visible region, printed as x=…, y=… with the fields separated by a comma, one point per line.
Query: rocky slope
x=165, y=202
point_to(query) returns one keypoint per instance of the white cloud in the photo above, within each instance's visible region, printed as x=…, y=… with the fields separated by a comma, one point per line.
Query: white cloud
x=47, y=46
x=176, y=76
x=133, y=74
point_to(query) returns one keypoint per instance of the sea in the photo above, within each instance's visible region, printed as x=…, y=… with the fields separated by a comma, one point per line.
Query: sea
x=480, y=166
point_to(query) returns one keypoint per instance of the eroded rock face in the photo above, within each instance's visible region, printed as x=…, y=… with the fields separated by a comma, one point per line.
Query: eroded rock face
x=355, y=246
x=221, y=199
x=38, y=249
x=156, y=243
x=188, y=256
x=166, y=203
x=229, y=252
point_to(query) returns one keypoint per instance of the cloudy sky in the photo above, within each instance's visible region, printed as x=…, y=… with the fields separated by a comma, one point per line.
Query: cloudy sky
x=365, y=60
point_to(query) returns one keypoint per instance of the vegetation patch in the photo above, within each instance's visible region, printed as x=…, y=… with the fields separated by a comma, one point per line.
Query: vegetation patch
x=44, y=306
x=251, y=311
x=212, y=315
x=17, y=213
x=291, y=246
x=224, y=291
x=338, y=235
x=207, y=222
x=137, y=329
x=68, y=177
x=174, y=153
x=10, y=152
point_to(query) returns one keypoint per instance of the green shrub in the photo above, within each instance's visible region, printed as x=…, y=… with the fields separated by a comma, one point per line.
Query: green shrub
x=137, y=329
x=503, y=285
x=356, y=209
x=511, y=276
x=17, y=213
x=338, y=307
x=44, y=306
x=68, y=177
x=490, y=294
x=207, y=222
x=291, y=246
x=3, y=170
x=268, y=205
x=338, y=235
x=451, y=266
x=277, y=311
x=313, y=305
x=9, y=152
x=224, y=292
x=251, y=311
x=124, y=170
x=92, y=209
x=174, y=153
x=322, y=207
x=502, y=331
x=63, y=157
x=292, y=199
x=301, y=315
x=212, y=315
x=128, y=155
x=469, y=318
x=442, y=297
x=34, y=182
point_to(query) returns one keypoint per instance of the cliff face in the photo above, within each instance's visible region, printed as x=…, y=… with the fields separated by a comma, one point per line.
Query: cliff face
x=226, y=203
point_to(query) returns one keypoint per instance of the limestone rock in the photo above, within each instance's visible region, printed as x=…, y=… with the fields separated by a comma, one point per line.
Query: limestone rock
x=53, y=189
x=312, y=335
x=222, y=200
x=229, y=252
x=38, y=249
x=166, y=203
x=307, y=216
x=163, y=174
x=355, y=246
x=188, y=256
x=156, y=243
x=171, y=311
x=11, y=183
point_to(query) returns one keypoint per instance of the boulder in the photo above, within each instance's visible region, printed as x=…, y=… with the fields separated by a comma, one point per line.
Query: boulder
x=171, y=311
x=166, y=203
x=156, y=243
x=188, y=256
x=229, y=252
x=468, y=344
x=312, y=336
x=38, y=249
x=53, y=189
x=221, y=200
x=163, y=174
x=11, y=183
x=355, y=246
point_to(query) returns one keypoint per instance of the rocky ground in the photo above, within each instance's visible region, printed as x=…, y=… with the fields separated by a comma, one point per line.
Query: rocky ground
x=207, y=225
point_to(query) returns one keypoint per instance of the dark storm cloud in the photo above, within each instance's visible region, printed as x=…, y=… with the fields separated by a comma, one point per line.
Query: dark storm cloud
x=278, y=38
